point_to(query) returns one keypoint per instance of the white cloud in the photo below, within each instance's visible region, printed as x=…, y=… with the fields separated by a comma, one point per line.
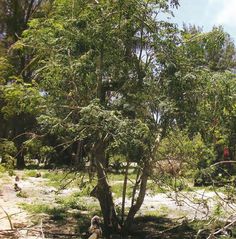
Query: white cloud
x=227, y=14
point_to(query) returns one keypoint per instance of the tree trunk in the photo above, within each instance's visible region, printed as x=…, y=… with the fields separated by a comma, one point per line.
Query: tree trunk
x=137, y=181
x=136, y=206
x=124, y=193
x=103, y=193
x=20, y=161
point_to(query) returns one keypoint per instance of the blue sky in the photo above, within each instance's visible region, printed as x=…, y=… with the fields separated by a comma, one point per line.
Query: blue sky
x=207, y=13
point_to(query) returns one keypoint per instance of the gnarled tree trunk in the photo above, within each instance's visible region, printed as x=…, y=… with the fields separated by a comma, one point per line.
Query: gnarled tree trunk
x=103, y=193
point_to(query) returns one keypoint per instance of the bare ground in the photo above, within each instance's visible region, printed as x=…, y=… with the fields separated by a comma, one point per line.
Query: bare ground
x=17, y=223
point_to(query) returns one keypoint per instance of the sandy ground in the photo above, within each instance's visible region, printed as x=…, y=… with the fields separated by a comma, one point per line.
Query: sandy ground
x=193, y=205
x=11, y=214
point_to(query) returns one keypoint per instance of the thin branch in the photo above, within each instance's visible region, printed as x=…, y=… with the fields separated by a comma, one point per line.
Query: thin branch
x=222, y=162
x=9, y=218
x=41, y=229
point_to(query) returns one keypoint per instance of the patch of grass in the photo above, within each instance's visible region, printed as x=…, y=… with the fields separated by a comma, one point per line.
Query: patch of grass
x=154, y=188
x=120, y=176
x=29, y=173
x=162, y=211
x=58, y=179
x=22, y=194
x=117, y=189
x=75, y=201
x=55, y=179
x=56, y=213
x=34, y=208
x=71, y=201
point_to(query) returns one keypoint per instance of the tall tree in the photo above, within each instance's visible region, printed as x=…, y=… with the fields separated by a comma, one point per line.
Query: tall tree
x=14, y=18
x=97, y=67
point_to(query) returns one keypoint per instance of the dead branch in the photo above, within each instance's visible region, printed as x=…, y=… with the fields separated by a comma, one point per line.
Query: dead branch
x=13, y=214
x=8, y=217
x=41, y=229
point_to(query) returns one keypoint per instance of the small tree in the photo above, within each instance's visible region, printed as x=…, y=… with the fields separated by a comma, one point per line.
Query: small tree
x=179, y=157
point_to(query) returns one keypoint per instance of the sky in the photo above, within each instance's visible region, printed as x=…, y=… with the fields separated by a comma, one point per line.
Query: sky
x=208, y=13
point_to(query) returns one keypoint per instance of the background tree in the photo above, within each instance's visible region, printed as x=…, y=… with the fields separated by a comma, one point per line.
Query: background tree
x=15, y=67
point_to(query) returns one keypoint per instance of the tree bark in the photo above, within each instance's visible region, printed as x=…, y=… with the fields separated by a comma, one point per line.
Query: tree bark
x=103, y=193
x=137, y=181
x=136, y=206
x=20, y=161
x=124, y=193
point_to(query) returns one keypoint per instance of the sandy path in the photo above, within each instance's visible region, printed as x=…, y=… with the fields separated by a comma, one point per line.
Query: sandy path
x=9, y=203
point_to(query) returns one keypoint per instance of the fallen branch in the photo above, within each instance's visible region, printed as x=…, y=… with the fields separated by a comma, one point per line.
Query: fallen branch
x=225, y=227
x=174, y=227
x=41, y=229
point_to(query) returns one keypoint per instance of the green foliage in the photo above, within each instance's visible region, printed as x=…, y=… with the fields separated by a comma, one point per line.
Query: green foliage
x=21, y=98
x=7, y=152
x=7, y=147
x=190, y=153
x=5, y=70
x=36, y=150
x=2, y=169
x=181, y=159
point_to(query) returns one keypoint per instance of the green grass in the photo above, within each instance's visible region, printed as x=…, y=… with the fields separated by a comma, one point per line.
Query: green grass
x=154, y=188
x=120, y=177
x=117, y=190
x=57, y=179
x=63, y=207
x=55, y=212
x=163, y=211
x=75, y=201
x=22, y=194
x=29, y=173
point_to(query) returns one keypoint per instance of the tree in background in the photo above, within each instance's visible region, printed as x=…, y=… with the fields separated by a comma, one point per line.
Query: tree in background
x=15, y=72
x=201, y=84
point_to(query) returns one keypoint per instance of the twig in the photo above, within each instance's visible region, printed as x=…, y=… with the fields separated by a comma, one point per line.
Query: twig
x=222, y=162
x=41, y=228
x=8, y=217
x=174, y=227
x=225, y=227
x=11, y=215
